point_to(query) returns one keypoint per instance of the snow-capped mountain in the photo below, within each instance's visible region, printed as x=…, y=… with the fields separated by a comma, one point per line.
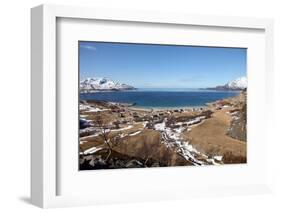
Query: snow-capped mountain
x=98, y=84
x=237, y=84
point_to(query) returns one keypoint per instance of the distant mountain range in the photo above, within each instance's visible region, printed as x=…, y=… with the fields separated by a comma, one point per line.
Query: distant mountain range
x=102, y=84
x=89, y=85
x=237, y=84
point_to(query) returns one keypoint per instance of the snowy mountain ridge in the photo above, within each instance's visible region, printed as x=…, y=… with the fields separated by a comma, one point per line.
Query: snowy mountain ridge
x=102, y=84
x=237, y=84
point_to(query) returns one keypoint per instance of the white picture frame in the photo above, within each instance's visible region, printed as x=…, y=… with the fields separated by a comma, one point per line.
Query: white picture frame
x=44, y=154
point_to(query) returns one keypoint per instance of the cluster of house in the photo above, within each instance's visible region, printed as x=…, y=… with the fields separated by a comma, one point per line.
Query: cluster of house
x=221, y=104
x=120, y=111
x=127, y=116
x=138, y=117
x=151, y=118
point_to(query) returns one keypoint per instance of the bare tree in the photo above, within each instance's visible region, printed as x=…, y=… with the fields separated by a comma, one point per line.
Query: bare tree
x=116, y=140
x=105, y=131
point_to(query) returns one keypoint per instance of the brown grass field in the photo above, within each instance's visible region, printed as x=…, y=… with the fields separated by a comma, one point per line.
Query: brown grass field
x=209, y=138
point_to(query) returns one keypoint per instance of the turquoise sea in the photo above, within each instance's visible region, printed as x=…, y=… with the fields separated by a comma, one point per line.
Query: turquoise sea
x=161, y=98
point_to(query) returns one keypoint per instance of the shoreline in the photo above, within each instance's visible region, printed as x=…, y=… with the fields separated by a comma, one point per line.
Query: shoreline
x=132, y=106
x=157, y=109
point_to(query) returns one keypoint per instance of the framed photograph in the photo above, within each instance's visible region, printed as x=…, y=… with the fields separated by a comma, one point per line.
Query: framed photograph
x=149, y=106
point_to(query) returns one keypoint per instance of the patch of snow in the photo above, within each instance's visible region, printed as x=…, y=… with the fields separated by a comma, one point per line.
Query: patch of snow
x=92, y=150
x=190, y=148
x=96, y=109
x=135, y=133
x=172, y=137
x=89, y=108
x=195, y=120
x=235, y=118
x=90, y=136
x=144, y=123
x=122, y=135
x=191, y=122
x=212, y=161
x=88, y=129
x=179, y=123
x=81, y=142
x=84, y=107
x=218, y=158
x=160, y=126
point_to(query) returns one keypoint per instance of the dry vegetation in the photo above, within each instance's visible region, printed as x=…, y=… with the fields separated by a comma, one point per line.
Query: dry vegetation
x=127, y=138
x=210, y=137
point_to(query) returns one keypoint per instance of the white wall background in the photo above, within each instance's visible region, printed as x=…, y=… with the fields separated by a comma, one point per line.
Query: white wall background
x=15, y=98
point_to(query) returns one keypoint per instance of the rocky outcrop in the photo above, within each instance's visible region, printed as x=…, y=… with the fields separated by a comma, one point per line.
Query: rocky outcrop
x=238, y=126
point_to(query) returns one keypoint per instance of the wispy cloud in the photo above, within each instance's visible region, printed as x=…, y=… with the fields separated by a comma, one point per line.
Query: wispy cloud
x=88, y=47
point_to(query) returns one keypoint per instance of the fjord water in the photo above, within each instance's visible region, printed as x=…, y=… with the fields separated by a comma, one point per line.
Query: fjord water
x=158, y=98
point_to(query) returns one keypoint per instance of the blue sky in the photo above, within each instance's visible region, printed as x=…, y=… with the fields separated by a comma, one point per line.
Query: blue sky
x=161, y=66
